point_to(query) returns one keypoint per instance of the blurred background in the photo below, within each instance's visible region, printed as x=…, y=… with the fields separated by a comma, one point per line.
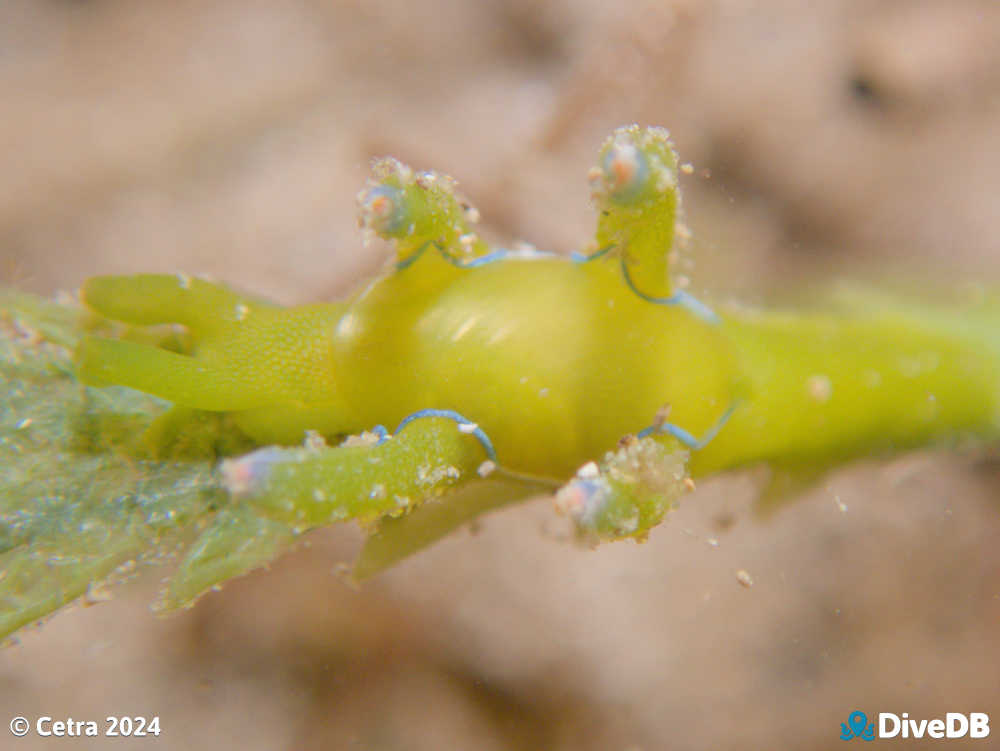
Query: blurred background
x=850, y=138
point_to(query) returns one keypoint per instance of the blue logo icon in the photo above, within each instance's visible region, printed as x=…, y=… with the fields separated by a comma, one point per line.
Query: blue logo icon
x=859, y=727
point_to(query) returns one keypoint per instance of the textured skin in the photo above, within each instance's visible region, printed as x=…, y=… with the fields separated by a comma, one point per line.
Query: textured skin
x=556, y=360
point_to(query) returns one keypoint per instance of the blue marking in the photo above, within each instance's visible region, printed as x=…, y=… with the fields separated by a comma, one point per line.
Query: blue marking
x=493, y=256
x=409, y=260
x=382, y=433
x=249, y=474
x=583, y=257
x=684, y=436
x=471, y=263
x=461, y=420
x=680, y=298
x=394, y=222
x=625, y=194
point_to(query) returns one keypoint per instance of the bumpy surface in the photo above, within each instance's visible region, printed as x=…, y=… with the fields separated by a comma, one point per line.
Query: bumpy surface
x=506, y=372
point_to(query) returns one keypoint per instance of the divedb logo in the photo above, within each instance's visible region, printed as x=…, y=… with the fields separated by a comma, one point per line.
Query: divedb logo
x=952, y=725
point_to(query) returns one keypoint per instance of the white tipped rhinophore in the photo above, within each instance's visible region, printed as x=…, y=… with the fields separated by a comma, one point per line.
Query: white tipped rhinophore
x=248, y=474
